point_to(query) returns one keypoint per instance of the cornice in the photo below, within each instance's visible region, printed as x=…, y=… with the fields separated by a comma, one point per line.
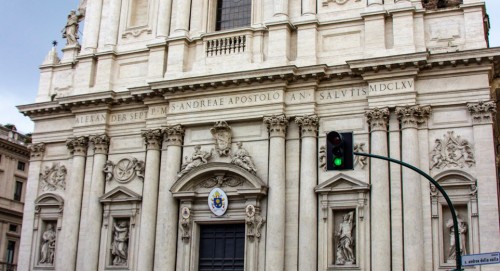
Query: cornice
x=14, y=147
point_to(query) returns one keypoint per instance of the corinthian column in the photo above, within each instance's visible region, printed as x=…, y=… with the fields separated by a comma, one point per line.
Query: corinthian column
x=413, y=235
x=308, y=214
x=153, y=139
x=90, y=245
x=483, y=118
x=275, y=243
x=380, y=212
x=67, y=250
x=36, y=154
x=166, y=236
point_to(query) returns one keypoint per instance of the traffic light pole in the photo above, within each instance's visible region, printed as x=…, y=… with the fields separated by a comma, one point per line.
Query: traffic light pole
x=458, y=258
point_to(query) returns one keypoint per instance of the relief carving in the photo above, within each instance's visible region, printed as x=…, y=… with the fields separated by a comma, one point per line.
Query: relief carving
x=185, y=224
x=54, y=177
x=119, y=248
x=243, y=159
x=254, y=223
x=221, y=132
x=358, y=160
x=198, y=158
x=322, y=158
x=221, y=181
x=48, y=246
x=345, y=243
x=452, y=151
x=125, y=170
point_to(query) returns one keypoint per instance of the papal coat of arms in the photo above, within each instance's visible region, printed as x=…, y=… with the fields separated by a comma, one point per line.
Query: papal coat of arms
x=222, y=135
x=217, y=201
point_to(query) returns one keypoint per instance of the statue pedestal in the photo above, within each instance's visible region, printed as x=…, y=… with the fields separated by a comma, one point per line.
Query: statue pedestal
x=69, y=53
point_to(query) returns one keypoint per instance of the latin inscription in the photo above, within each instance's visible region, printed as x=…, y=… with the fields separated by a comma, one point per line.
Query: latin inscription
x=157, y=112
x=90, y=119
x=127, y=117
x=343, y=94
x=391, y=87
x=300, y=96
x=231, y=101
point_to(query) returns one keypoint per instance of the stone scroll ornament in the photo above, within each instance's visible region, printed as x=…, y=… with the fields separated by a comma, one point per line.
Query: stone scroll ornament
x=221, y=132
x=124, y=171
x=53, y=177
x=451, y=151
x=254, y=223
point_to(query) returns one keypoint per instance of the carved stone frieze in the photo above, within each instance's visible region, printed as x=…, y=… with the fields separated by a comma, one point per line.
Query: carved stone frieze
x=322, y=158
x=482, y=112
x=198, y=158
x=185, y=224
x=124, y=170
x=152, y=138
x=101, y=143
x=36, y=150
x=254, y=223
x=451, y=151
x=377, y=118
x=413, y=115
x=221, y=181
x=221, y=132
x=360, y=160
x=77, y=146
x=53, y=177
x=174, y=135
x=243, y=159
x=276, y=125
x=308, y=125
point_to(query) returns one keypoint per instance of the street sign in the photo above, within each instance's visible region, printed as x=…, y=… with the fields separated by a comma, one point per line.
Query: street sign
x=479, y=259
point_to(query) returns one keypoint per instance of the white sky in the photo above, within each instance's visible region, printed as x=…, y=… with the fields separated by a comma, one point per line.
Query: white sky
x=30, y=26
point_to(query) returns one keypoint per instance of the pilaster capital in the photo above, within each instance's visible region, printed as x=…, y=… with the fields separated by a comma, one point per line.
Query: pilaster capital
x=101, y=143
x=77, y=146
x=174, y=135
x=412, y=115
x=153, y=138
x=377, y=118
x=276, y=125
x=36, y=151
x=482, y=112
x=308, y=125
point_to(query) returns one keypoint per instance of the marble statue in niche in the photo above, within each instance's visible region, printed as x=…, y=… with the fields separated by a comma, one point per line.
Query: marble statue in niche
x=243, y=159
x=221, y=132
x=450, y=151
x=54, y=177
x=198, y=158
x=48, y=246
x=345, y=243
x=462, y=231
x=119, y=249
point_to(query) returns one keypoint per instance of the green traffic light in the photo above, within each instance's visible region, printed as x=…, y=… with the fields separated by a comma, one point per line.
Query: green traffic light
x=337, y=161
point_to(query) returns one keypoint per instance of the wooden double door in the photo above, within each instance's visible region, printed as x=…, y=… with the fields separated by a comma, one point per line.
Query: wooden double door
x=222, y=247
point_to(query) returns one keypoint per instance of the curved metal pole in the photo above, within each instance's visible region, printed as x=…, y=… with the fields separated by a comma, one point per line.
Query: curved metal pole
x=458, y=258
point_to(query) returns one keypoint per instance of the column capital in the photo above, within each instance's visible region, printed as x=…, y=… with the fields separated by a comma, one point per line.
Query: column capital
x=308, y=125
x=173, y=135
x=36, y=151
x=101, y=143
x=482, y=112
x=153, y=138
x=377, y=118
x=77, y=146
x=412, y=115
x=276, y=125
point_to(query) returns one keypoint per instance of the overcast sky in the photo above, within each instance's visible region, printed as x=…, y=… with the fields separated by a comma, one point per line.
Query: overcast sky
x=30, y=26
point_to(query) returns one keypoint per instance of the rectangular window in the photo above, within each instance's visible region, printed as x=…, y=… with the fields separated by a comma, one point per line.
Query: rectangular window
x=233, y=14
x=11, y=249
x=21, y=165
x=18, y=190
x=12, y=228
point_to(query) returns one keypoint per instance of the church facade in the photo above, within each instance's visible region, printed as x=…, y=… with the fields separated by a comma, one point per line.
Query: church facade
x=190, y=135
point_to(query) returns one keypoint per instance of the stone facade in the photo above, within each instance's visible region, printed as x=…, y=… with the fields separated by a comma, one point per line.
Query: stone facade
x=153, y=109
x=14, y=166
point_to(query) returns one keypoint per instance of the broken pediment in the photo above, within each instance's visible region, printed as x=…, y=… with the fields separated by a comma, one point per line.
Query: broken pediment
x=341, y=183
x=120, y=194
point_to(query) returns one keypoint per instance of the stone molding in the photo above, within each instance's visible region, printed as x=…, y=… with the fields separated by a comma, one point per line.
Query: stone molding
x=77, y=146
x=36, y=150
x=308, y=125
x=174, y=135
x=412, y=115
x=221, y=132
x=101, y=143
x=378, y=118
x=276, y=125
x=482, y=112
x=153, y=138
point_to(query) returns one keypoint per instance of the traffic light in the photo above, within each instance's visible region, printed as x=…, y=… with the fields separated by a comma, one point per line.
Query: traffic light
x=339, y=151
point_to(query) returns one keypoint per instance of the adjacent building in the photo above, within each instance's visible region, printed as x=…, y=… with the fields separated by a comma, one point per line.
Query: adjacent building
x=190, y=135
x=14, y=163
